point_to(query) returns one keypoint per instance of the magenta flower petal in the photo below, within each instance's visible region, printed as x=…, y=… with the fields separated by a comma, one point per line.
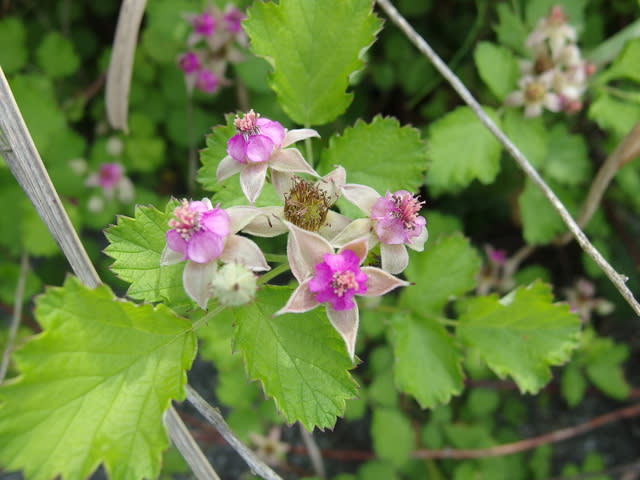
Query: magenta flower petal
x=198, y=231
x=237, y=148
x=189, y=62
x=176, y=242
x=218, y=221
x=204, y=24
x=259, y=148
x=337, y=279
x=272, y=129
x=396, y=219
x=204, y=247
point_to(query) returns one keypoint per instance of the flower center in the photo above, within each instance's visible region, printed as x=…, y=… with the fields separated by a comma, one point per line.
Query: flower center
x=407, y=208
x=306, y=206
x=342, y=282
x=534, y=92
x=247, y=125
x=187, y=221
x=542, y=64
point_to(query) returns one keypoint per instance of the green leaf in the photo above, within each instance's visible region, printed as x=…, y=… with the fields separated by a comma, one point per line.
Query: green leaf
x=521, y=334
x=510, y=29
x=428, y=363
x=540, y=221
x=144, y=154
x=314, y=47
x=300, y=359
x=568, y=160
x=573, y=385
x=625, y=65
x=462, y=150
x=13, y=33
x=530, y=135
x=136, y=245
x=443, y=270
x=392, y=435
x=497, y=67
x=93, y=386
x=614, y=115
x=36, y=98
x=380, y=154
x=56, y=56
x=604, y=360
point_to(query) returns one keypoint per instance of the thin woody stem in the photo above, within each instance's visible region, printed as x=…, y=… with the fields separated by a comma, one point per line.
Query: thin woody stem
x=624, y=153
x=533, y=442
x=617, y=279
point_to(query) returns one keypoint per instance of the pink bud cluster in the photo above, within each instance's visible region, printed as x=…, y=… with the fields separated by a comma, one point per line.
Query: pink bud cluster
x=327, y=252
x=556, y=76
x=212, y=45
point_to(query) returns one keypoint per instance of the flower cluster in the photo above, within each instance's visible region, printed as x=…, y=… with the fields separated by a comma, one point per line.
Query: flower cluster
x=212, y=44
x=327, y=252
x=556, y=76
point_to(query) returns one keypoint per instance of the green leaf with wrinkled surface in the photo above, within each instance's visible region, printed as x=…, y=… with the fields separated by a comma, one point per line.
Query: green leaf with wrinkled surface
x=626, y=64
x=461, y=150
x=427, y=362
x=510, y=29
x=93, y=386
x=568, y=160
x=540, y=221
x=57, y=56
x=314, y=46
x=299, y=358
x=380, y=154
x=497, y=67
x=530, y=135
x=136, y=245
x=522, y=334
x=443, y=270
x=614, y=115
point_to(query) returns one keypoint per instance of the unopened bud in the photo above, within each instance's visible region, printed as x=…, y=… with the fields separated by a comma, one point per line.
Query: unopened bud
x=233, y=285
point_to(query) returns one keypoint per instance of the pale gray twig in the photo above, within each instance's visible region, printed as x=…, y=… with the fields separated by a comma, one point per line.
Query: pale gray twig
x=121, y=63
x=213, y=416
x=17, y=313
x=314, y=452
x=627, y=149
x=187, y=446
x=617, y=279
x=25, y=163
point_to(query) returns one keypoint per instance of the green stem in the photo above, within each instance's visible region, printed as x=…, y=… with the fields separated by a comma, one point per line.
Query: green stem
x=283, y=267
x=202, y=321
x=275, y=257
x=308, y=147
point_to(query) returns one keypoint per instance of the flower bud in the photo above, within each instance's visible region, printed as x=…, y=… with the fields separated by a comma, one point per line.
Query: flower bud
x=233, y=285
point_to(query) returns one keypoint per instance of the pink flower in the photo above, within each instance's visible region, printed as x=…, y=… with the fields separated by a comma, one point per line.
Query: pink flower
x=333, y=279
x=395, y=218
x=233, y=18
x=189, y=62
x=393, y=221
x=204, y=235
x=199, y=231
x=258, y=145
x=111, y=179
x=204, y=24
x=338, y=278
x=206, y=81
x=109, y=174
